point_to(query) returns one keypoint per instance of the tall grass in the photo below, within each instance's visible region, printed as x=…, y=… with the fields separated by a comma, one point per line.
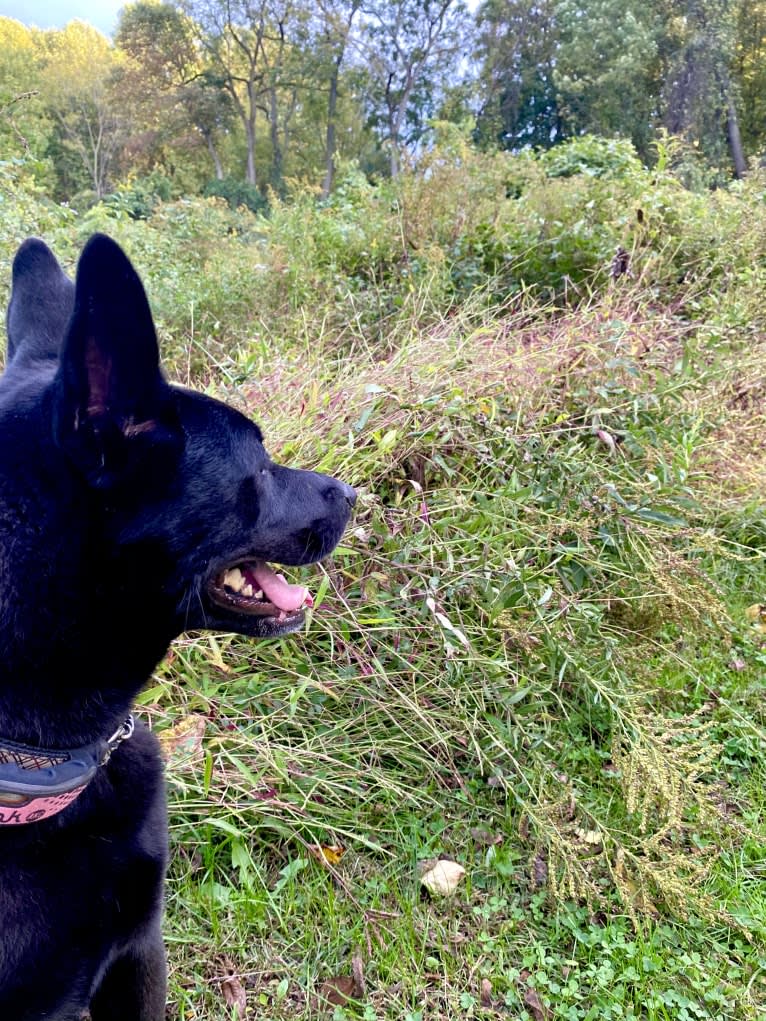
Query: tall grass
x=532, y=651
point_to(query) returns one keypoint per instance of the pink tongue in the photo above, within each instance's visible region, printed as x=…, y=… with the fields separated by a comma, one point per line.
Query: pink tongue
x=278, y=591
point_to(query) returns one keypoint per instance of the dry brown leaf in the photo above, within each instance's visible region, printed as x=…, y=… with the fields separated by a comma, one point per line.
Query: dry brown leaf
x=342, y=990
x=485, y=994
x=337, y=992
x=484, y=838
x=539, y=870
x=533, y=1001
x=524, y=828
x=442, y=880
x=181, y=744
x=357, y=968
x=234, y=996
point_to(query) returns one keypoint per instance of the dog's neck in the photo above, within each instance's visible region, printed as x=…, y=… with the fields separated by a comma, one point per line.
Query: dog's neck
x=51, y=697
x=39, y=713
x=69, y=671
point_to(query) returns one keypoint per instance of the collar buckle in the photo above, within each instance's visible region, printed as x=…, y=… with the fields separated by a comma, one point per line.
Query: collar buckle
x=123, y=733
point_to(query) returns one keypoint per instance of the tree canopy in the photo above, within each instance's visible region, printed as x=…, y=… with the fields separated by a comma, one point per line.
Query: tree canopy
x=245, y=96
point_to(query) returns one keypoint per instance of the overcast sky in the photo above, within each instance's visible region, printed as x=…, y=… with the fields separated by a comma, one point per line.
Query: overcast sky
x=56, y=13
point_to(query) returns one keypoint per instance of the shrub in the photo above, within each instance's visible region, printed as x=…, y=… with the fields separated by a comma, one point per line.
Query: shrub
x=237, y=193
x=141, y=196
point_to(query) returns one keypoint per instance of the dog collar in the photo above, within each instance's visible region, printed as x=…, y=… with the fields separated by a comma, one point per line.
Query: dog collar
x=36, y=783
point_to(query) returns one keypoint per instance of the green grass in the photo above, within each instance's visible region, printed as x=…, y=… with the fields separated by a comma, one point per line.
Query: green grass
x=532, y=651
x=532, y=657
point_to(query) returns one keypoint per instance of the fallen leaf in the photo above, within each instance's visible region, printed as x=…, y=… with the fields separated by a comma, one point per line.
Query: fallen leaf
x=756, y=614
x=588, y=836
x=329, y=854
x=485, y=994
x=607, y=439
x=341, y=990
x=357, y=969
x=338, y=991
x=442, y=880
x=264, y=794
x=539, y=870
x=533, y=1001
x=446, y=623
x=181, y=744
x=524, y=828
x=234, y=995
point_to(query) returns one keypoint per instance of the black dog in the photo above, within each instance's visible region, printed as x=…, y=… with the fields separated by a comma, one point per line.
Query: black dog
x=130, y=510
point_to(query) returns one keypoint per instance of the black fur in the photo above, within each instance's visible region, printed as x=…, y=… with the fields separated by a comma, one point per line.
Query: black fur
x=121, y=499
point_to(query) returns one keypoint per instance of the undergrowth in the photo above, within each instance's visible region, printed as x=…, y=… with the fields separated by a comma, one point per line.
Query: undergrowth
x=532, y=656
x=538, y=649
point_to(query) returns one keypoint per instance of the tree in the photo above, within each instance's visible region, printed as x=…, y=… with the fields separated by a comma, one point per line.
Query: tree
x=75, y=78
x=606, y=69
x=552, y=69
x=337, y=19
x=699, y=93
x=748, y=73
x=411, y=48
x=516, y=48
x=236, y=35
x=25, y=125
x=170, y=90
x=287, y=76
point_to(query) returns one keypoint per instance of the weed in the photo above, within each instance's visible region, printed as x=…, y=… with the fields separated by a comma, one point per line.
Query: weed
x=531, y=652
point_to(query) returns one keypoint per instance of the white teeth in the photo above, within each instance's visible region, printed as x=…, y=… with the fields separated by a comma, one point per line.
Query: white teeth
x=234, y=580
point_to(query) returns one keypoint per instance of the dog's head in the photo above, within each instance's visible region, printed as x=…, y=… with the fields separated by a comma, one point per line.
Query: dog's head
x=186, y=511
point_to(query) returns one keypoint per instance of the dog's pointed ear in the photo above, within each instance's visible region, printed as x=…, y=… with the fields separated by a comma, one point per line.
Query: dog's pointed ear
x=41, y=303
x=109, y=386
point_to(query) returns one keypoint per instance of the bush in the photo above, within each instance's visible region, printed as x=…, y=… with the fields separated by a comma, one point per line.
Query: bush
x=141, y=196
x=237, y=193
x=592, y=156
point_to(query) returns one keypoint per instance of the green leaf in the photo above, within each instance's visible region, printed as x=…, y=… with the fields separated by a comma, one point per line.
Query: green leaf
x=647, y=514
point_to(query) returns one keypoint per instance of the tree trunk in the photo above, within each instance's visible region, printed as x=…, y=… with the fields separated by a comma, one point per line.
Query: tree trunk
x=277, y=158
x=394, y=158
x=250, y=135
x=393, y=139
x=214, y=155
x=735, y=139
x=248, y=116
x=332, y=106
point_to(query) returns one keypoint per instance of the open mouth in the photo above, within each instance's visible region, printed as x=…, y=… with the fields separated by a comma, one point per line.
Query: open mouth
x=254, y=588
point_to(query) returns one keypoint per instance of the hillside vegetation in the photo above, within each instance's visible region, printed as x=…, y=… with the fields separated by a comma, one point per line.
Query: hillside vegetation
x=539, y=650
